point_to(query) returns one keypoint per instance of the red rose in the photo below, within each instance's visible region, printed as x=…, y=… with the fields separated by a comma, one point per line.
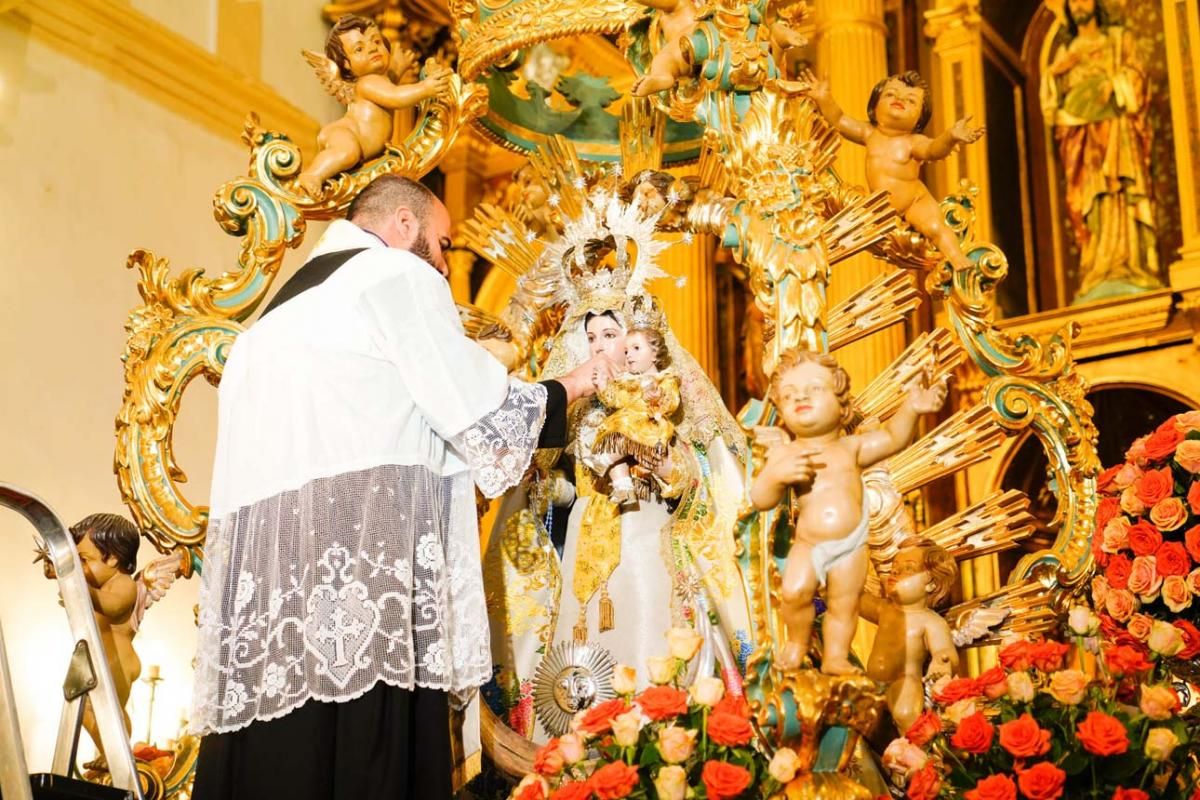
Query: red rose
x=1191, y=640
x=1154, y=485
x=958, y=689
x=575, y=790
x=549, y=759
x=532, y=791
x=1107, y=511
x=1191, y=538
x=724, y=781
x=993, y=683
x=1117, y=571
x=1042, y=781
x=1017, y=656
x=1098, y=553
x=924, y=784
x=1193, y=497
x=974, y=734
x=1105, y=481
x=1163, y=441
x=1172, y=559
x=1144, y=539
x=1024, y=738
x=733, y=704
x=1125, y=660
x=598, y=718
x=926, y=726
x=993, y=787
x=1102, y=735
x=1048, y=656
x=729, y=729
x=663, y=702
x=614, y=781
x=1129, y=794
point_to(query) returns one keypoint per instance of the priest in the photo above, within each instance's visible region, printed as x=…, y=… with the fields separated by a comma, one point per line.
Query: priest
x=341, y=605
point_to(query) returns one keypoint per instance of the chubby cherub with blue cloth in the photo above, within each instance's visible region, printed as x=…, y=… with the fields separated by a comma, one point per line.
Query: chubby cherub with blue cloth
x=820, y=464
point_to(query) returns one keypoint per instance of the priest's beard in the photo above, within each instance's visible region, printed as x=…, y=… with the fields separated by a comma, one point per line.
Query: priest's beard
x=422, y=249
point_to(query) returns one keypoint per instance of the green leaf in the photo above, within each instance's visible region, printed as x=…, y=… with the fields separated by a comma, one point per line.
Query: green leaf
x=650, y=756
x=1074, y=763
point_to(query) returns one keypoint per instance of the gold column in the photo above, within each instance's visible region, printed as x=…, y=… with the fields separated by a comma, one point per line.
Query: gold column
x=957, y=88
x=461, y=262
x=691, y=309
x=1181, y=22
x=852, y=52
x=465, y=169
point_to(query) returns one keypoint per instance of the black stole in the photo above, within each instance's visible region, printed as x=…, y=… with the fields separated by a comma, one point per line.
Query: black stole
x=314, y=272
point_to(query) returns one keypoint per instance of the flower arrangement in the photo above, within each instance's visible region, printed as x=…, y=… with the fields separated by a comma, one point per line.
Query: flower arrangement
x=664, y=742
x=1147, y=538
x=1040, y=727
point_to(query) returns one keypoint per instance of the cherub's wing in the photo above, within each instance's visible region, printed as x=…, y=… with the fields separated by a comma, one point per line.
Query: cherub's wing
x=152, y=584
x=330, y=76
x=976, y=623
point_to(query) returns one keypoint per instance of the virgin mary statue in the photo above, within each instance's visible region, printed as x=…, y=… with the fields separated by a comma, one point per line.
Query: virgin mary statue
x=562, y=619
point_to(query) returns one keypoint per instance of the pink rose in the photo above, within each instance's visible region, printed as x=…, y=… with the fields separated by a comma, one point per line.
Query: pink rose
x=1144, y=580
x=1137, y=451
x=1187, y=455
x=1115, y=536
x=1169, y=514
x=1175, y=593
x=1100, y=590
x=1130, y=503
x=1158, y=702
x=903, y=758
x=676, y=744
x=1188, y=421
x=1126, y=475
x=1139, y=626
x=1120, y=604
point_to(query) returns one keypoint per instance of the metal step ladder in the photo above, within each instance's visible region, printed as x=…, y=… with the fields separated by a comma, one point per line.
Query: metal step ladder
x=88, y=677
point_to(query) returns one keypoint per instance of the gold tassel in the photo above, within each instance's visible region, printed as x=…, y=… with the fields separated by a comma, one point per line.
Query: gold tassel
x=606, y=610
x=580, y=629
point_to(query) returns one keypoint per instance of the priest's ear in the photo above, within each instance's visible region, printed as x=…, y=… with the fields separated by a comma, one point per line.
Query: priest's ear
x=409, y=229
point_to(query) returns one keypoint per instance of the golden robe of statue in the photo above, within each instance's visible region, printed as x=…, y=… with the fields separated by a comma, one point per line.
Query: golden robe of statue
x=640, y=423
x=1095, y=93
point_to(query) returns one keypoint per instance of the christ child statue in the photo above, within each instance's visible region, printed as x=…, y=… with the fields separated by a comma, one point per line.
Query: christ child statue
x=641, y=402
x=910, y=628
x=898, y=110
x=819, y=470
x=676, y=19
x=358, y=70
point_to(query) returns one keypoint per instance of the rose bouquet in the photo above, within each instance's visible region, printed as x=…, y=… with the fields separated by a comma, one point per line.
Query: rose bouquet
x=1039, y=727
x=664, y=742
x=1147, y=538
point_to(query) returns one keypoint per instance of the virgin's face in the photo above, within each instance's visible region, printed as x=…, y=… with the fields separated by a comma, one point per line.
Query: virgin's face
x=605, y=336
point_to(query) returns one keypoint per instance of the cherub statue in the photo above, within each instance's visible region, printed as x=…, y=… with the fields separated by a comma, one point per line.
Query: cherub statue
x=358, y=71
x=676, y=19
x=898, y=110
x=642, y=401
x=820, y=467
x=911, y=629
x=108, y=550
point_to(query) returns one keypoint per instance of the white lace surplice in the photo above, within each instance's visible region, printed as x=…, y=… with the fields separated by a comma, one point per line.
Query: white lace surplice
x=352, y=577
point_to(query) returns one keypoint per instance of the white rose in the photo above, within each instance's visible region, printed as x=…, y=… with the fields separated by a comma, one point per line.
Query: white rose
x=624, y=679
x=784, y=764
x=1082, y=621
x=662, y=669
x=626, y=728
x=684, y=643
x=707, y=691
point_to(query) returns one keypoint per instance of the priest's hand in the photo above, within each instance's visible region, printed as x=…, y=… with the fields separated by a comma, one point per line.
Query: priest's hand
x=589, y=377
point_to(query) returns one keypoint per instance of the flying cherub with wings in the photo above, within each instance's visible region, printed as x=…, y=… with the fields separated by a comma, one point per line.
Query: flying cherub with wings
x=358, y=71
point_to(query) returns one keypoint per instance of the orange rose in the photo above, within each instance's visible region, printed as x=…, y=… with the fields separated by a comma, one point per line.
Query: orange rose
x=1100, y=590
x=1102, y=735
x=574, y=790
x=1017, y=655
x=724, y=781
x=662, y=702
x=549, y=759
x=993, y=787
x=1042, y=781
x=1129, y=794
x=924, y=784
x=1193, y=581
x=1154, y=485
x=1163, y=441
x=1137, y=451
x=974, y=734
x=1158, y=702
x=957, y=689
x=1048, y=656
x=1144, y=580
x=1120, y=604
x=1114, y=537
x=1107, y=511
x=598, y=719
x=1187, y=455
x=1175, y=593
x=1193, y=497
x=1024, y=738
x=530, y=789
x=1169, y=513
x=1191, y=639
x=1172, y=559
x=733, y=704
x=1068, y=686
x=924, y=728
x=1187, y=421
x=729, y=729
x=1139, y=626
x=1117, y=571
x=1126, y=475
x=1125, y=660
x=1191, y=538
x=1130, y=503
x=993, y=683
x=1106, y=481
x=614, y=781
x=1144, y=538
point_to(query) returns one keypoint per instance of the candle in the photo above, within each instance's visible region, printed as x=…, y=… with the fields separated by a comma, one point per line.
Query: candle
x=152, y=674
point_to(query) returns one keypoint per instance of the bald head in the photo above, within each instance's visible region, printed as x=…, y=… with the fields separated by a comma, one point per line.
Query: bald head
x=406, y=215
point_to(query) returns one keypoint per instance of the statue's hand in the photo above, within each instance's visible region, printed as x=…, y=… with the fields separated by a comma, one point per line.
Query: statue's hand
x=792, y=464
x=926, y=398
x=403, y=65
x=818, y=88
x=436, y=82
x=962, y=131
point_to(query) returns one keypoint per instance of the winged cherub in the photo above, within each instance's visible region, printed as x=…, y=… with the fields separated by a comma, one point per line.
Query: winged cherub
x=358, y=71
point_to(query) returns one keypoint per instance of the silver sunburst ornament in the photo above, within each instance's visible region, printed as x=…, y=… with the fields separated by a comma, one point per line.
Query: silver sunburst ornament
x=570, y=678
